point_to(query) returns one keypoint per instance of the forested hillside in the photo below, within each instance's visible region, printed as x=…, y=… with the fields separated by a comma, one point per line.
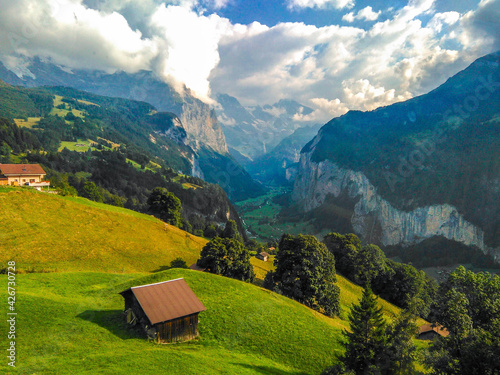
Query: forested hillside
x=108, y=149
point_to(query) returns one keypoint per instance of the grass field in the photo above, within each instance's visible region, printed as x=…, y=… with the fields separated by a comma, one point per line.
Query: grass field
x=63, y=112
x=74, y=234
x=81, y=145
x=27, y=124
x=260, y=213
x=71, y=322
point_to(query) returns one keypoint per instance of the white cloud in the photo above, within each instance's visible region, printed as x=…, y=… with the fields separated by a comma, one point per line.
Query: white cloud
x=188, y=45
x=324, y=110
x=366, y=14
x=337, y=4
x=442, y=19
x=181, y=46
x=349, y=17
x=480, y=29
x=331, y=68
x=73, y=35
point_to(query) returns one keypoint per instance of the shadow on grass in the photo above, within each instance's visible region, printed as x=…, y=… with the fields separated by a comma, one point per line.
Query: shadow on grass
x=113, y=321
x=162, y=268
x=269, y=370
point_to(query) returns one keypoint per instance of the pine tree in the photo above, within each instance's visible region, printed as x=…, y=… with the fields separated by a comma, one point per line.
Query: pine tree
x=366, y=341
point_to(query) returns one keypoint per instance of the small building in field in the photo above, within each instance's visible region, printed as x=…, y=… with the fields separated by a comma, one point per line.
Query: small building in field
x=263, y=256
x=431, y=331
x=23, y=175
x=167, y=311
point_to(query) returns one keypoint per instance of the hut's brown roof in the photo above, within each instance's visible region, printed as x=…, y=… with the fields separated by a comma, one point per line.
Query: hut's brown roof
x=20, y=169
x=439, y=329
x=167, y=300
x=264, y=254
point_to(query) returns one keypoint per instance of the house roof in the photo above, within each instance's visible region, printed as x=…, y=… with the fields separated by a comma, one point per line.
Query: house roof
x=439, y=329
x=166, y=300
x=264, y=254
x=21, y=169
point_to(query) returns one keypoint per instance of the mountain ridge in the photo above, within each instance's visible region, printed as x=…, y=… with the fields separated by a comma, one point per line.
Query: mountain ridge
x=440, y=149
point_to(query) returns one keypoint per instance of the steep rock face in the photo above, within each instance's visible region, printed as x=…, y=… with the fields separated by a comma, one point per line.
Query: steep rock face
x=201, y=123
x=375, y=219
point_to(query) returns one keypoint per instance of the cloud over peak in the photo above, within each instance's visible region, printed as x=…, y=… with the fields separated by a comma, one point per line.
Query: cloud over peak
x=332, y=68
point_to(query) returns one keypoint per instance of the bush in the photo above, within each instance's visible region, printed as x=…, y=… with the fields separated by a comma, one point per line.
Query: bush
x=178, y=263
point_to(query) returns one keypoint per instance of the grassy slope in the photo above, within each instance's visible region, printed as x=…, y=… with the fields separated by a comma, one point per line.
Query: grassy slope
x=73, y=234
x=75, y=326
x=72, y=321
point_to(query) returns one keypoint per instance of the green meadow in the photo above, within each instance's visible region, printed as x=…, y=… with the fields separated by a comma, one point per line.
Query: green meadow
x=70, y=318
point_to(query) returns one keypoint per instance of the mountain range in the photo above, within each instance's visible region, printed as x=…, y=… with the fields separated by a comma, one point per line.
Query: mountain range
x=203, y=133
x=253, y=131
x=425, y=171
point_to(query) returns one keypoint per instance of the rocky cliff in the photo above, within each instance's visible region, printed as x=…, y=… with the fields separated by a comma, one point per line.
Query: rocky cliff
x=427, y=167
x=373, y=218
x=202, y=126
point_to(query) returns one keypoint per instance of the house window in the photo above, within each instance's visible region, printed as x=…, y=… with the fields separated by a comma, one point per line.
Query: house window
x=32, y=180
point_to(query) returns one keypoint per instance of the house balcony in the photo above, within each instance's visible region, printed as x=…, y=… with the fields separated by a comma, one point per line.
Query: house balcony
x=39, y=185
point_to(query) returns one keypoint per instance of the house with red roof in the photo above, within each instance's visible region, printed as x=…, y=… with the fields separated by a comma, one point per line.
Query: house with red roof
x=23, y=175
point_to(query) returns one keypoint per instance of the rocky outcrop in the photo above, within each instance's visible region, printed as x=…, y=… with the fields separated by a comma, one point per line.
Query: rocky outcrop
x=201, y=124
x=373, y=218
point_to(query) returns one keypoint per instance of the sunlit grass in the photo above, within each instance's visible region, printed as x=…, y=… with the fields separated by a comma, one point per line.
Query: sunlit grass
x=58, y=233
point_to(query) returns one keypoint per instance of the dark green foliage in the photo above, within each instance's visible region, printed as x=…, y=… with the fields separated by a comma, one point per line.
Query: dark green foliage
x=18, y=102
x=401, y=352
x=395, y=282
x=14, y=139
x=165, y=205
x=367, y=339
x=305, y=271
x=402, y=282
x=374, y=347
x=227, y=257
x=344, y=248
x=481, y=290
x=178, y=263
x=231, y=231
x=359, y=263
x=468, y=305
x=440, y=251
x=210, y=231
x=91, y=191
x=369, y=263
x=253, y=245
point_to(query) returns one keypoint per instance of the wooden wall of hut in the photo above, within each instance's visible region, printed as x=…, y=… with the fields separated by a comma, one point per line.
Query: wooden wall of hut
x=182, y=329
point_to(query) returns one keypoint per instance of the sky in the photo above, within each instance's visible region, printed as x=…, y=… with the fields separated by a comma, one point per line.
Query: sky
x=331, y=55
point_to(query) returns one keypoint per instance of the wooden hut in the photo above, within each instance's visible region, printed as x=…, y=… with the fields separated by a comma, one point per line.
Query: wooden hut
x=263, y=256
x=167, y=311
x=431, y=331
